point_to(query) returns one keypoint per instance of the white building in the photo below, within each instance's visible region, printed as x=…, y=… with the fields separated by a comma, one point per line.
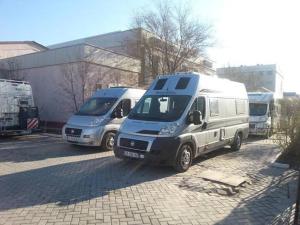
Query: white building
x=262, y=78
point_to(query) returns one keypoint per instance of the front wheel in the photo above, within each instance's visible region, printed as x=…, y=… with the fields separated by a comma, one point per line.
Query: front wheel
x=108, y=141
x=236, y=145
x=184, y=158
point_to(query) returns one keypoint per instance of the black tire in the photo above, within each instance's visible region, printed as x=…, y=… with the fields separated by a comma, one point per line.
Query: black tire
x=108, y=141
x=236, y=145
x=184, y=158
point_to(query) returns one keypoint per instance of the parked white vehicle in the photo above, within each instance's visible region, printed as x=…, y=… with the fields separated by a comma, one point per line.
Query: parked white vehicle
x=182, y=116
x=18, y=115
x=264, y=113
x=97, y=121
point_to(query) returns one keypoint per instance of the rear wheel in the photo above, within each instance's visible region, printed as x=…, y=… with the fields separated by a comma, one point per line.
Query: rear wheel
x=184, y=158
x=108, y=141
x=236, y=145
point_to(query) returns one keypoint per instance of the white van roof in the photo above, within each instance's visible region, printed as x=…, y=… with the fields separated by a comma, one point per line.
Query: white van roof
x=117, y=92
x=260, y=97
x=190, y=83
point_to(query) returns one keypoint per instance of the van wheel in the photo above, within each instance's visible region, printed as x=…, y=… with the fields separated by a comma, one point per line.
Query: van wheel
x=108, y=141
x=184, y=158
x=236, y=145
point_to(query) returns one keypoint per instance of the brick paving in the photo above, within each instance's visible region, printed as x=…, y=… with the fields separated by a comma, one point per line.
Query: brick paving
x=45, y=181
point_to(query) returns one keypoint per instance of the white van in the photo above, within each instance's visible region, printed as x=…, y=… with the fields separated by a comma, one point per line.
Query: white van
x=264, y=113
x=97, y=121
x=18, y=113
x=182, y=116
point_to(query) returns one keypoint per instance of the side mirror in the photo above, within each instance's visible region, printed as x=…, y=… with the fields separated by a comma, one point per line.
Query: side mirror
x=119, y=113
x=197, y=117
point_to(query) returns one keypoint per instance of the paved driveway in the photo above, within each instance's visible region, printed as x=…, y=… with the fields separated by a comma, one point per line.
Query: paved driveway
x=46, y=181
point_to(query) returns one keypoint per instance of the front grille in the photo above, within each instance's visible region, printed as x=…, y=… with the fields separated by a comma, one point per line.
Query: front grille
x=252, y=125
x=133, y=144
x=73, y=132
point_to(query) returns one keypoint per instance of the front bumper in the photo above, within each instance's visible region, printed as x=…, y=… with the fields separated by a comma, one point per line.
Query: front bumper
x=161, y=150
x=255, y=129
x=87, y=137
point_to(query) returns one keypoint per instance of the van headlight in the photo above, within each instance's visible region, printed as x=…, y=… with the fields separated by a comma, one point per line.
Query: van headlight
x=96, y=122
x=169, y=129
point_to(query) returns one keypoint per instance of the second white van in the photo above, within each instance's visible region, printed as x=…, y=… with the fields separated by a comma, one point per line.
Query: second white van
x=98, y=120
x=182, y=116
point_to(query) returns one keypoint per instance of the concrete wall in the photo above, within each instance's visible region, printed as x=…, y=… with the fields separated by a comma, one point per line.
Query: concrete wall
x=11, y=49
x=75, y=53
x=51, y=88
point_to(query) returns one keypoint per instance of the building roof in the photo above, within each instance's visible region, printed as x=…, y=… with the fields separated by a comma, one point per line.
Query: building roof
x=42, y=47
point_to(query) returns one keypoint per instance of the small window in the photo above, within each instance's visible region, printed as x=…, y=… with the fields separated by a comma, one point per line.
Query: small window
x=182, y=83
x=201, y=106
x=240, y=106
x=146, y=105
x=214, y=106
x=160, y=84
x=125, y=104
x=23, y=102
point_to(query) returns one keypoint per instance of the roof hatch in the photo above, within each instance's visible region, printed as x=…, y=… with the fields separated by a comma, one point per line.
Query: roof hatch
x=182, y=83
x=160, y=84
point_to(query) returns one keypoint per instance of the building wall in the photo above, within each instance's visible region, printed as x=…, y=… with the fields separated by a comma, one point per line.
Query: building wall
x=255, y=78
x=52, y=92
x=130, y=42
x=14, y=49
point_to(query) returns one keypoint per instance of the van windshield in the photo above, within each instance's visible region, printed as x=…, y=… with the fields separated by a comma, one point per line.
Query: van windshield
x=258, y=109
x=96, y=106
x=165, y=108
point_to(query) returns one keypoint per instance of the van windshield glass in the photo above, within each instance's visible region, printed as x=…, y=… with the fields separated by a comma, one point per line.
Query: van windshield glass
x=96, y=106
x=165, y=108
x=258, y=109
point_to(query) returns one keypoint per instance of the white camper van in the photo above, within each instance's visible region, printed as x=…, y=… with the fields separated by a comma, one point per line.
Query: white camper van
x=97, y=121
x=182, y=116
x=264, y=113
x=18, y=115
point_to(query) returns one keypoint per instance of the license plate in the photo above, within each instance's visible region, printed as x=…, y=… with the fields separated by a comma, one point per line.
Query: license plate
x=133, y=155
x=73, y=139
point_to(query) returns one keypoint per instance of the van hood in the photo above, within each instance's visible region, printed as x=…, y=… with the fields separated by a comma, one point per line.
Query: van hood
x=143, y=127
x=85, y=121
x=258, y=119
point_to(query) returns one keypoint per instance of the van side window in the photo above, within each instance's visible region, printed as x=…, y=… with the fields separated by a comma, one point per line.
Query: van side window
x=146, y=106
x=214, y=106
x=240, y=107
x=126, y=106
x=201, y=106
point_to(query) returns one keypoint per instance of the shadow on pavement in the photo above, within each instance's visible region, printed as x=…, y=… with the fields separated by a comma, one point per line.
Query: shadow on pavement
x=74, y=182
x=40, y=150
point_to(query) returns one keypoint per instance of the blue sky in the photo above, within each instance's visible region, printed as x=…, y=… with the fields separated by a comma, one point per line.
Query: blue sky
x=247, y=31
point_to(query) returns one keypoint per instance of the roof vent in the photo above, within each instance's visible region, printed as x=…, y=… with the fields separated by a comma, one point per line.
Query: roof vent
x=182, y=83
x=160, y=84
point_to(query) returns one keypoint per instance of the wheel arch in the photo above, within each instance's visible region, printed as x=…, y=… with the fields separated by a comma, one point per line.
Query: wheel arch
x=190, y=141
